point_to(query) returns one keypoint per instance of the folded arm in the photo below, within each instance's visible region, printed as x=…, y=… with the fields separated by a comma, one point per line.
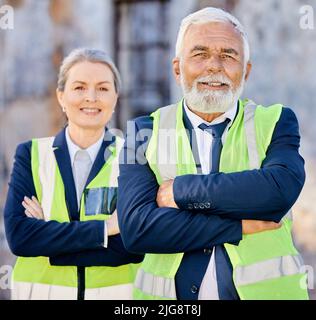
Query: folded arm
x=265, y=194
x=146, y=228
x=31, y=237
x=113, y=256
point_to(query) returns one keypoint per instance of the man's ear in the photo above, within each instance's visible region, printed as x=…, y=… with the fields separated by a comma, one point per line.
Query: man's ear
x=176, y=69
x=248, y=70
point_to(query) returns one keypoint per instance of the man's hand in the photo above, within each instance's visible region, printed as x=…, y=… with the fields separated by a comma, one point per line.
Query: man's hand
x=165, y=195
x=255, y=226
x=33, y=208
x=112, y=225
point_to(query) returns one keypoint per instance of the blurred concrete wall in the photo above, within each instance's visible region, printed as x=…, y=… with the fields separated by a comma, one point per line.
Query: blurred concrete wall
x=44, y=31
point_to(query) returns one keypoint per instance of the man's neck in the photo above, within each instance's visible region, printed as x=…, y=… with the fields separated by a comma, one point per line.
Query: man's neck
x=208, y=117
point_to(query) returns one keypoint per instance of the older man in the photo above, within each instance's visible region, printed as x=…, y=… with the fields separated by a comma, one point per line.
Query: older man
x=210, y=174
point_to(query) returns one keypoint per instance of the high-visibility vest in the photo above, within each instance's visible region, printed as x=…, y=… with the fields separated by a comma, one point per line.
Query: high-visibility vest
x=34, y=277
x=266, y=265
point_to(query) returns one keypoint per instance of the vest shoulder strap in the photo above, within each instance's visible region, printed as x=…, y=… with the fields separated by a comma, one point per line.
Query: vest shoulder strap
x=44, y=172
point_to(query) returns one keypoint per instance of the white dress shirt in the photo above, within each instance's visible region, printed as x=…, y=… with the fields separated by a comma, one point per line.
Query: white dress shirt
x=81, y=164
x=208, y=289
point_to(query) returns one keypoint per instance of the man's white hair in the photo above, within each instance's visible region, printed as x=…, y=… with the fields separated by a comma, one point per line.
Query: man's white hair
x=207, y=15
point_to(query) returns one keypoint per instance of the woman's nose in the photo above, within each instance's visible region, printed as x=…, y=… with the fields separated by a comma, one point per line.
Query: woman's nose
x=91, y=95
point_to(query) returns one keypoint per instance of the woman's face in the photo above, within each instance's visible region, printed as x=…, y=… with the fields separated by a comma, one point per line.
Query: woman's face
x=89, y=97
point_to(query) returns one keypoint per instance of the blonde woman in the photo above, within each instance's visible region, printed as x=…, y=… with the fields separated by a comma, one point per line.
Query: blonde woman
x=60, y=214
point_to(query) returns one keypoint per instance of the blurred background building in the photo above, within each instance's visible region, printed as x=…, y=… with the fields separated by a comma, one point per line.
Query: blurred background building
x=140, y=35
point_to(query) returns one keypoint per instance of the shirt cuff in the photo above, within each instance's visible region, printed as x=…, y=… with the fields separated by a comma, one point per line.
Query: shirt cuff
x=105, y=242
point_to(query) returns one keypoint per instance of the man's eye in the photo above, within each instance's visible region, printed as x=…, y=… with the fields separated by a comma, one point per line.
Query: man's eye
x=227, y=56
x=200, y=54
x=79, y=88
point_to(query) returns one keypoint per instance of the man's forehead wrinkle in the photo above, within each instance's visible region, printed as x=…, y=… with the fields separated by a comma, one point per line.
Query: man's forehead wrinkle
x=211, y=34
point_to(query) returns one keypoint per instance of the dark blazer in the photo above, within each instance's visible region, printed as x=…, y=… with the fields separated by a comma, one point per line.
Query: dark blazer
x=264, y=194
x=75, y=243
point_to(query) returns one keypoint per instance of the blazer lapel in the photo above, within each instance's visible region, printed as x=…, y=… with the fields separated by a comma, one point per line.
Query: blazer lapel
x=192, y=139
x=64, y=165
x=102, y=156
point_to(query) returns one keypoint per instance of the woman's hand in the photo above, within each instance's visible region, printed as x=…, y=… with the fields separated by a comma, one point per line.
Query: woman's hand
x=112, y=225
x=32, y=208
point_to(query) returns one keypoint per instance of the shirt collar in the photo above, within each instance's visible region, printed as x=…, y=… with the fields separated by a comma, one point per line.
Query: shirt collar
x=73, y=148
x=196, y=120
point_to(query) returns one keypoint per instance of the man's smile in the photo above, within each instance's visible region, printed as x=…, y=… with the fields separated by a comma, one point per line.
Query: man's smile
x=213, y=85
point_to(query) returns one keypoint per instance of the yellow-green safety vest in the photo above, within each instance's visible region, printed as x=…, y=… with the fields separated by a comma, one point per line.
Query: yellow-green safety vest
x=34, y=277
x=266, y=265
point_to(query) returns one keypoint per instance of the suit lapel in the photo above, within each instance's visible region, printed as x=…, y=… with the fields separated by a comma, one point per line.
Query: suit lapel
x=192, y=138
x=64, y=165
x=102, y=156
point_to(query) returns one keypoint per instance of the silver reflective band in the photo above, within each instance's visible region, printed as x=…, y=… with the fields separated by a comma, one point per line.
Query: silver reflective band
x=155, y=285
x=250, y=129
x=46, y=173
x=268, y=269
x=167, y=152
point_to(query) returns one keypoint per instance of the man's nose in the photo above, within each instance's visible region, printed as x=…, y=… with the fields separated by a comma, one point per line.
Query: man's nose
x=214, y=64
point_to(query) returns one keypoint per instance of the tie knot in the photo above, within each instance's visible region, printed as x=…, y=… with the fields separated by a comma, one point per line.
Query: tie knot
x=215, y=129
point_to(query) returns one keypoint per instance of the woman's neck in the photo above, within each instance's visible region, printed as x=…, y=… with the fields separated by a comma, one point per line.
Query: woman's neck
x=84, y=138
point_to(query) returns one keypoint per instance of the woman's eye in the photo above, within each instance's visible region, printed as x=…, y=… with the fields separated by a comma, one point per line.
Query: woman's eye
x=103, y=89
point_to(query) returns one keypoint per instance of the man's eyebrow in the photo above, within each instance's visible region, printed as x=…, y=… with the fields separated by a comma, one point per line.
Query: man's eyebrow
x=199, y=48
x=230, y=51
x=226, y=50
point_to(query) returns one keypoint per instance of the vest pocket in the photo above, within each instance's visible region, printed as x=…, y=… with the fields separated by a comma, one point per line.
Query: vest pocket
x=100, y=201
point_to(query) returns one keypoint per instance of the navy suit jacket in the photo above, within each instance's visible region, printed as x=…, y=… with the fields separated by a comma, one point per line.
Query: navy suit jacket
x=72, y=243
x=264, y=194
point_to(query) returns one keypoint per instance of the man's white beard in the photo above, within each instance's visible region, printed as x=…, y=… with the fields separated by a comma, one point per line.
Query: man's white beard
x=216, y=101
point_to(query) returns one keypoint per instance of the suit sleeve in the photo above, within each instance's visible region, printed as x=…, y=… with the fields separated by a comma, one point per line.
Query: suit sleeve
x=113, y=256
x=30, y=237
x=264, y=194
x=146, y=228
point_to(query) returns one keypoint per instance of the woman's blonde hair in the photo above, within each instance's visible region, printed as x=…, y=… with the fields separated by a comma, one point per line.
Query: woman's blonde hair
x=91, y=55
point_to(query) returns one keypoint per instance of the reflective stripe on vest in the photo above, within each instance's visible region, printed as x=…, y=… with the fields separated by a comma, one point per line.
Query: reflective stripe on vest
x=35, y=277
x=155, y=285
x=265, y=265
x=269, y=269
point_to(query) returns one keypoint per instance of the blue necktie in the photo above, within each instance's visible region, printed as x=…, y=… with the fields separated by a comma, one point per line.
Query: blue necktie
x=226, y=288
x=216, y=130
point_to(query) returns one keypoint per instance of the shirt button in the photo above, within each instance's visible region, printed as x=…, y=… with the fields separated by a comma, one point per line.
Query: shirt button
x=207, y=205
x=208, y=251
x=194, y=289
x=196, y=206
